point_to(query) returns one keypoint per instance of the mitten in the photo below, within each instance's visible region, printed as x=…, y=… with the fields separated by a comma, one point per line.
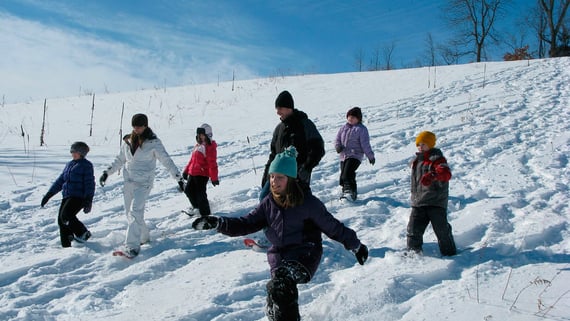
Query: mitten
x=427, y=179
x=215, y=183
x=87, y=205
x=206, y=223
x=361, y=254
x=372, y=161
x=181, y=185
x=185, y=175
x=46, y=198
x=103, y=178
x=339, y=148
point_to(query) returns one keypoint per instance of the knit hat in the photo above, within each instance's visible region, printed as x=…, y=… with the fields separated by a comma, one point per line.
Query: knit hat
x=79, y=147
x=427, y=138
x=139, y=120
x=285, y=163
x=356, y=112
x=284, y=100
x=206, y=130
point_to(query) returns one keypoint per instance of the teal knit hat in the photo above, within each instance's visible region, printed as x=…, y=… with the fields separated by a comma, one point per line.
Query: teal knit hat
x=285, y=163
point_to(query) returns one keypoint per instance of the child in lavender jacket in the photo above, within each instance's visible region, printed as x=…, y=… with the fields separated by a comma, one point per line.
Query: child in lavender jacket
x=352, y=143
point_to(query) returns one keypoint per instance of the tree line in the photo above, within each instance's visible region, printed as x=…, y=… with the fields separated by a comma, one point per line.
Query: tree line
x=475, y=32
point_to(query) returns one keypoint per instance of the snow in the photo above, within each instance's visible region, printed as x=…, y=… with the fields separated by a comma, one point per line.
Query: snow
x=504, y=128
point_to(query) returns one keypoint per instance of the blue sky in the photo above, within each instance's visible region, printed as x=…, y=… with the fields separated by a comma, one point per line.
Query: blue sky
x=58, y=48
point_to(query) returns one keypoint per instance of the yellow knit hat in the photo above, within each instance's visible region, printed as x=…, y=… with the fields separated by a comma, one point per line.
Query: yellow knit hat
x=427, y=138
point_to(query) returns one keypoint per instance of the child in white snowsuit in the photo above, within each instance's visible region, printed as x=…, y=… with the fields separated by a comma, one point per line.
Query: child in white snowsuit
x=138, y=155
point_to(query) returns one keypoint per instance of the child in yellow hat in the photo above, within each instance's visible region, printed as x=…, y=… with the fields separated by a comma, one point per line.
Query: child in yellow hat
x=429, y=195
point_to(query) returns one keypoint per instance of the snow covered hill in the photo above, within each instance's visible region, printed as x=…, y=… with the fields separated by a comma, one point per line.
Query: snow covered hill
x=504, y=128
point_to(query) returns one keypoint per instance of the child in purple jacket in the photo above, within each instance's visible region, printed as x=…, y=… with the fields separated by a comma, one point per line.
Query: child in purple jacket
x=293, y=221
x=352, y=143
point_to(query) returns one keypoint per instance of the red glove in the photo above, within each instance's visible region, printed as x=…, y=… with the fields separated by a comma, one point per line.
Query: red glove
x=427, y=179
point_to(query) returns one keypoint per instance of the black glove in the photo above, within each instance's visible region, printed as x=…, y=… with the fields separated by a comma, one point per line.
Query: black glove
x=103, y=178
x=185, y=175
x=339, y=148
x=361, y=254
x=215, y=183
x=87, y=205
x=46, y=198
x=181, y=185
x=372, y=161
x=206, y=223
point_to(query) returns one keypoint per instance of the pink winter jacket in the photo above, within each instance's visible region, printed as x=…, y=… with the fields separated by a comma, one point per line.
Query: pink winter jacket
x=203, y=161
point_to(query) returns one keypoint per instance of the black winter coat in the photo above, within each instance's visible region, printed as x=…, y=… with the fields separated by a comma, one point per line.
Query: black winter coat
x=299, y=131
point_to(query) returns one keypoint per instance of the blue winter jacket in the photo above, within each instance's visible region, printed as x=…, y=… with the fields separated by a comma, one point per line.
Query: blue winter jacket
x=76, y=180
x=354, y=141
x=295, y=233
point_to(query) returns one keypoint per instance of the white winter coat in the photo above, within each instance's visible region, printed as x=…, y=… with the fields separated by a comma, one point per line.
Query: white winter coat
x=141, y=167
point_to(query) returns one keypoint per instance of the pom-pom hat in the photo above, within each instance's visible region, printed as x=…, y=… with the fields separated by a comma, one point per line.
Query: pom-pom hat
x=285, y=163
x=427, y=138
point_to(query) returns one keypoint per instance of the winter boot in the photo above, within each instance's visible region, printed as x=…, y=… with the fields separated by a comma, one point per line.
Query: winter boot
x=353, y=195
x=83, y=237
x=129, y=252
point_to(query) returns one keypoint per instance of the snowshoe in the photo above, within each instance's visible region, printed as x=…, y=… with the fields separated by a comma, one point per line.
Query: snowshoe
x=126, y=252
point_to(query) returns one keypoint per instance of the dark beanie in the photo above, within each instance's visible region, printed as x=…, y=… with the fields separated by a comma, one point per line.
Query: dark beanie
x=139, y=120
x=79, y=147
x=284, y=100
x=356, y=112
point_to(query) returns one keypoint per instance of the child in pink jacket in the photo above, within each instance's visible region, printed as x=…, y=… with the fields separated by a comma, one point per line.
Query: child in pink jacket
x=203, y=166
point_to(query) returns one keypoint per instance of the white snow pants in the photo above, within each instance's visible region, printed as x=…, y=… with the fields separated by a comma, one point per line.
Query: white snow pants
x=135, y=195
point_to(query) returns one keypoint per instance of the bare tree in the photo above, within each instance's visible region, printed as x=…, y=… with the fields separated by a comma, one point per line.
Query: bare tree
x=450, y=54
x=536, y=20
x=518, y=39
x=375, y=60
x=475, y=22
x=359, y=59
x=554, y=11
x=387, y=52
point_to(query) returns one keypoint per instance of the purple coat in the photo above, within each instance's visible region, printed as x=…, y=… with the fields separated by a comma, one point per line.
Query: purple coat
x=354, y=142
x=295, y=233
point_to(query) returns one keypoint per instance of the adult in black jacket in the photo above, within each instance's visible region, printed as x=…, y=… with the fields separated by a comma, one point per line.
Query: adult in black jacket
x=295, y=129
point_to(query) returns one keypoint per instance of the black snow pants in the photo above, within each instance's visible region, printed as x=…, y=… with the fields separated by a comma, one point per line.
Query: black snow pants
x=419, y=220
x=347, y=179
x=67, y=220
x=282, y=293
x=196, y=192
